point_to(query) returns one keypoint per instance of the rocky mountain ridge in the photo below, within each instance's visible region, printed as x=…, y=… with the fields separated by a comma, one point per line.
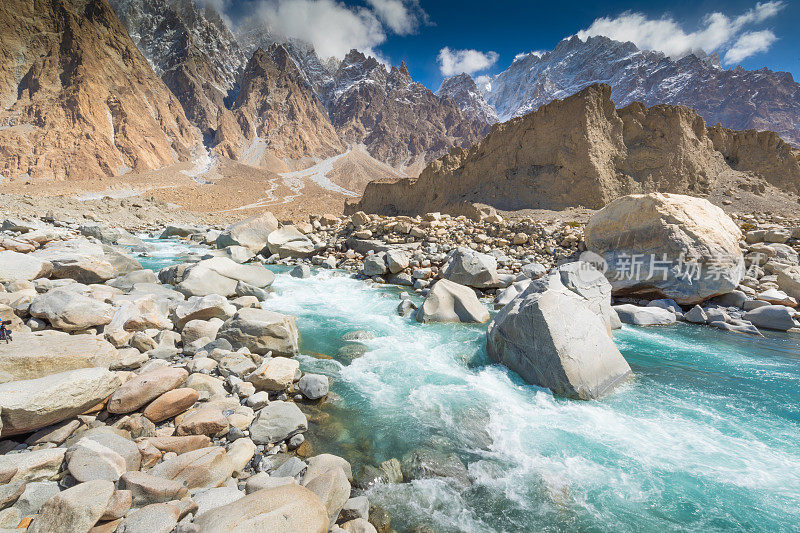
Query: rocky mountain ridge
x=399, y=121
x=462, y=90
x=736, y=98
x=192, y=50
x=582, y=151
x=276, y=118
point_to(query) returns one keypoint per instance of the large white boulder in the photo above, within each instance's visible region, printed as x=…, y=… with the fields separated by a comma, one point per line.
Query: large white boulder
x=778, y=317
x=645, y=316
x=582, y=278
x=84, y=261
x=35, y=355
x=69, y=310
x=15, y=266
x=203, y=308
x=450, y=302
x=251, y=233
x=32, y=404
x=262, y=331
x=789, y=280
x=289, y=242
x=468, y=267
x=277, y=422
x=219, y=275
x=286, y=508
x=74, y=510
x=552, y=338
x=667, y=246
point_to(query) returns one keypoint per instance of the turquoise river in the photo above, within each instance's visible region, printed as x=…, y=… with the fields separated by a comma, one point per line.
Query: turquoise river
x=705, y=438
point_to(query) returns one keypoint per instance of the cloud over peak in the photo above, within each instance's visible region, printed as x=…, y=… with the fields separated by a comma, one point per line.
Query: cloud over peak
x=718, y=32
x=334, y=27
x=452, y=62
x=403, y=17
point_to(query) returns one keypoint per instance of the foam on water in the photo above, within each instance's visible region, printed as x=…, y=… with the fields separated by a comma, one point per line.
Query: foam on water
x=156, y=254
x=706, y=437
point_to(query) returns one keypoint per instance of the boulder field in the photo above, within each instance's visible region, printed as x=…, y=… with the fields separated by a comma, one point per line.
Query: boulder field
x=136, y=401
x=131, y=404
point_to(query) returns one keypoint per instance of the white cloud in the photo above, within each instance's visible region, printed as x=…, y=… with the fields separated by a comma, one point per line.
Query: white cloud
x=330, y=26
x=403, y=17
x=521, y=55
x=717, y=32
x=452, y=62
x=749, y=44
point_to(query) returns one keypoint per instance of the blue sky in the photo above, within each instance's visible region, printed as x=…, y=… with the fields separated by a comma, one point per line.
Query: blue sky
x=439, y=37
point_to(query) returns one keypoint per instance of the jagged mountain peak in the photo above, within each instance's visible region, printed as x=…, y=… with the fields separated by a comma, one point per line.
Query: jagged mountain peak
x=254, y=33
x=192, y=50
x=399, y=120
x=276, y=120
x=462, y=90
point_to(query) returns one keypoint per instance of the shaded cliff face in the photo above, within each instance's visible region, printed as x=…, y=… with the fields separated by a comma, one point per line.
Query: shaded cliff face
x=582, y=151
x=79, y=99
x=276, y=118
x=399, y=120
x=192, y=50
x=738, y=98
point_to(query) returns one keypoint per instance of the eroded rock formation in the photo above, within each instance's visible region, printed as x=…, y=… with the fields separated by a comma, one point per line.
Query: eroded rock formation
x=582, y=151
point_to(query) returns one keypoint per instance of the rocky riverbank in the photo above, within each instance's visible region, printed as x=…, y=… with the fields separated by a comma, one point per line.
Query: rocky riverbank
x=131, y=405
x=132, y=400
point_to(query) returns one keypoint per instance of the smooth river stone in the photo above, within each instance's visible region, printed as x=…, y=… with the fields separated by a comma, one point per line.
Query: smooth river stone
x=76, y=509
x=146, y=488
x=32, y=404
x=201, y=469
x=50, y=352
x=171, y=403
x=144, y=388
x=283, y=508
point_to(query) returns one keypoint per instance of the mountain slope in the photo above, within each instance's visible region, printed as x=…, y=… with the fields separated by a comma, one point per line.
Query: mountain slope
x=399, y=120
x=737, y=98
x=318, y=73
x=582, y=151
x=276, y=118
x=78, y=98
x=192, y=50
x=462, y=90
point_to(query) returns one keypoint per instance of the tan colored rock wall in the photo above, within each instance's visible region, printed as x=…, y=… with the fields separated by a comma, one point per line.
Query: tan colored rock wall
x=79, y=99
x=581, y=151
x=763, y=153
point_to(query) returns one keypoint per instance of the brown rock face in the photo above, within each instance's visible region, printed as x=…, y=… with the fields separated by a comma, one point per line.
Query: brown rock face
x=763, y=153
x=399, y=120
x=145, y=387
x=171, y=403
x=78, y=99
x=583, y=151
x=276, y=116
